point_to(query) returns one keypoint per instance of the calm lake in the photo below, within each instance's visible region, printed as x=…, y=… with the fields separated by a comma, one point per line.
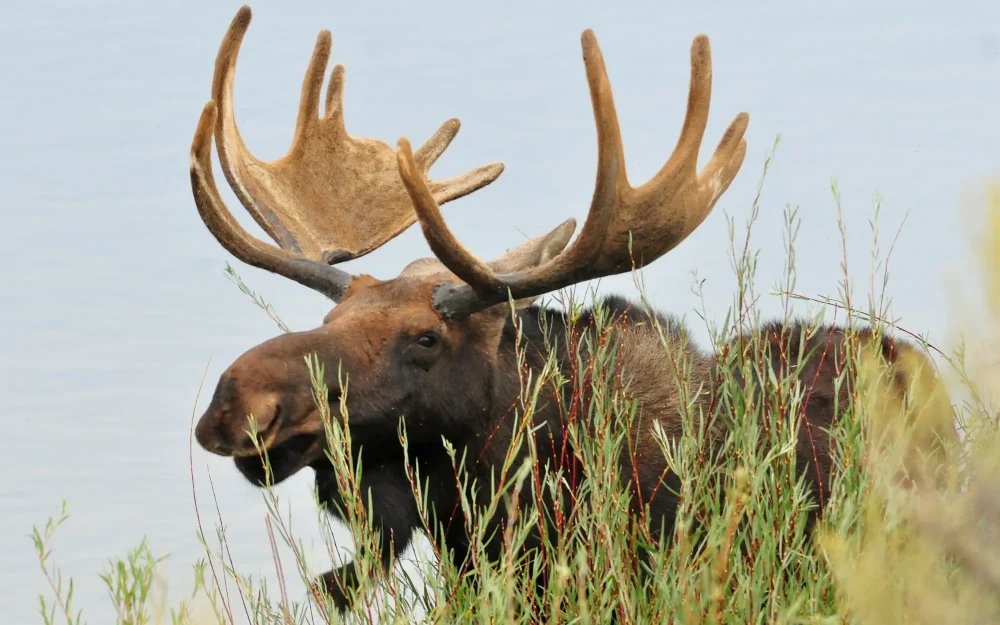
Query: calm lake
x=113, y=297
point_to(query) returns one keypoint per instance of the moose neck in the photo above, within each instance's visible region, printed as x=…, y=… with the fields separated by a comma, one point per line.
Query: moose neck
x=529, y=344
x=483, y=411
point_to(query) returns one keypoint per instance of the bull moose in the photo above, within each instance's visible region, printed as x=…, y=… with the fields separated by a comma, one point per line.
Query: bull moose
x=437, y=345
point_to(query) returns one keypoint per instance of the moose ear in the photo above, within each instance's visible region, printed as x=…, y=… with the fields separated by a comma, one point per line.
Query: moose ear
x=535, y=252
x=489, y=322
x=532, y=253
x=423, y=267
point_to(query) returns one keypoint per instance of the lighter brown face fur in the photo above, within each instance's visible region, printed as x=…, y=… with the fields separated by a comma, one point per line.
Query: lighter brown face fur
x=383, y=342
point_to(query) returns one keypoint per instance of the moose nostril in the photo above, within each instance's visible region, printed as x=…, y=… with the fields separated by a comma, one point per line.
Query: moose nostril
x=238, y=396
x=212, y=436
x=265, y=408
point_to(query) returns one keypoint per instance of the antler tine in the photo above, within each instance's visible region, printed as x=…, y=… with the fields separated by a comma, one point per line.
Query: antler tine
x=456, y=186
x=650, y=219
x=725, y=163
x=685, y=154
x=333, y=197
x=222, y=84
x=312, y=88
x=433, y=148
x=611, y=177
x=328, y=280
x=442, y=242
x=335, y=95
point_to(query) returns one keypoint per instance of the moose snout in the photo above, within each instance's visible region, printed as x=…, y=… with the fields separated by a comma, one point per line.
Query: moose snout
x=224, y=429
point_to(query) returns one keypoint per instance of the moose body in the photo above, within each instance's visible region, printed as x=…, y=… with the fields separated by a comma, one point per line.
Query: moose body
x=471, y=401
x=438, y=345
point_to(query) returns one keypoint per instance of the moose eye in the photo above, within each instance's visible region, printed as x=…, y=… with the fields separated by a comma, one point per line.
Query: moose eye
x=427, y=340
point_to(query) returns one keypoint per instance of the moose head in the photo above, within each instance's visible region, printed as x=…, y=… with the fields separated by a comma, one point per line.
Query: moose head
x=403, y=342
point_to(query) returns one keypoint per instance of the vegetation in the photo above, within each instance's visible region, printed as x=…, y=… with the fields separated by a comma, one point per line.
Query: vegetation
x=892, y=547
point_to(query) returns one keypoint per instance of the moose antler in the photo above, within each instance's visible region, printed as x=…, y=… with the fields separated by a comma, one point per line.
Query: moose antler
x=655, y=216
x=331, y=198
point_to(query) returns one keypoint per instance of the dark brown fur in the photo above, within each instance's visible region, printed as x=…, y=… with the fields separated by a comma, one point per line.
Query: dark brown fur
x=465, y=388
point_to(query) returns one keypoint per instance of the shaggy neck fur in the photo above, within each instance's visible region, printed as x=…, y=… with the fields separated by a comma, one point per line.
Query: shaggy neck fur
x=658, y=367
x=645, y=371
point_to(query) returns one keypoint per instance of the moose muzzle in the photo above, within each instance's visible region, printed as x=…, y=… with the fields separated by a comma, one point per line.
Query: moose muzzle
x=225, y=428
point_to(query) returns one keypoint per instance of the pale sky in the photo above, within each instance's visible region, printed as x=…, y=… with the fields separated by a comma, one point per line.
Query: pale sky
x=114, y=296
